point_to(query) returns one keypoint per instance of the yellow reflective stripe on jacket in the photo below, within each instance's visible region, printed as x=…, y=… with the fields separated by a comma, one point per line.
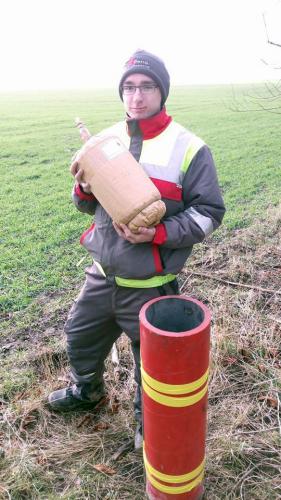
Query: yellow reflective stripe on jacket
x=169, y=478
x=195, y=144
x=172, y=401
x=148, y=283
x=176, y=388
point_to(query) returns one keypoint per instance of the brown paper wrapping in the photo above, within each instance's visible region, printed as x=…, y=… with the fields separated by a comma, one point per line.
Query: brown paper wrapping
x=119, y=183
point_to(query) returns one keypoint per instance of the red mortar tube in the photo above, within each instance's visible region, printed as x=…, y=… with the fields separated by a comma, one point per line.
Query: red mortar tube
x=175, y=345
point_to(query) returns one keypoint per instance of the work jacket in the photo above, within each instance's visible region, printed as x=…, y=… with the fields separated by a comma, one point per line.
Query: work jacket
x=181, y=166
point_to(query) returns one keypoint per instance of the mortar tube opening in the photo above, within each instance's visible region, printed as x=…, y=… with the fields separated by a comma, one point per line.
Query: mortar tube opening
x=174, y=315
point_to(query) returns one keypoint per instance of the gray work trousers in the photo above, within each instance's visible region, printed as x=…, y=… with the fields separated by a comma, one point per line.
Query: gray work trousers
x=101, y=312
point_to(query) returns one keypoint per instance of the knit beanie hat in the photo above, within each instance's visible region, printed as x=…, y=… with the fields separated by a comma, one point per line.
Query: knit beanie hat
x=150, y=65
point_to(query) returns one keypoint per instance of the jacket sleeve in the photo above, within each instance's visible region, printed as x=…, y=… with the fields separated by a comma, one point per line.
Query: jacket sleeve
x=84, y=202
x=203, y=206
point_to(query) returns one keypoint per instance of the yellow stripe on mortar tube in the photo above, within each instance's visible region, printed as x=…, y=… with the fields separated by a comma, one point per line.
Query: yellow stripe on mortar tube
x=175, y=388
x=172, y=401
x=173, y=479
x=174, y=490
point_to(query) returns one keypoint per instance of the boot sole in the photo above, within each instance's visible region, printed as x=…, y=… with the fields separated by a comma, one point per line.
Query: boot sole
x=79, y=406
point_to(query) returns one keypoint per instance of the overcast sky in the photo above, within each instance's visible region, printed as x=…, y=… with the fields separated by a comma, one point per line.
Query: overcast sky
x=56, y=44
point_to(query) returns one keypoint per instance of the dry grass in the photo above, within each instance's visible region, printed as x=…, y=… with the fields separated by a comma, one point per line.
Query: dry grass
x=244, y=440
x=50, y=456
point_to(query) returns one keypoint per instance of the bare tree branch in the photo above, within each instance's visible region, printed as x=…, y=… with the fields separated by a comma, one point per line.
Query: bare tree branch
x=260, y=98
x=273, y=43
x=269, y=41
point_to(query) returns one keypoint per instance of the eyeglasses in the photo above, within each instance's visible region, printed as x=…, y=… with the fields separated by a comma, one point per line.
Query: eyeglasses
x=144, y=89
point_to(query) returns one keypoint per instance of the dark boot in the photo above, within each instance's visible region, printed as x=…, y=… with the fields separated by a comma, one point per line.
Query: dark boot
x=73, y=398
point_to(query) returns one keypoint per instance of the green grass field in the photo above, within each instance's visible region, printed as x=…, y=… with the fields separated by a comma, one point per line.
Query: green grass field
x=40, y=228
x=236, y=272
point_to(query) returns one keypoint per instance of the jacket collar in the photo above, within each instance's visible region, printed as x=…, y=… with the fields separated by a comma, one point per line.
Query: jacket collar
x=149, y=127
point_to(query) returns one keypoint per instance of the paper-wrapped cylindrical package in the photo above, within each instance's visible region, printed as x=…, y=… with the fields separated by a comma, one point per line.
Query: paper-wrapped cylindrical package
x=119, y=183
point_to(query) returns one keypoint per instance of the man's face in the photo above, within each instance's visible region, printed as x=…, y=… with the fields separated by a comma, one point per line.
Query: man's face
x=143, y=102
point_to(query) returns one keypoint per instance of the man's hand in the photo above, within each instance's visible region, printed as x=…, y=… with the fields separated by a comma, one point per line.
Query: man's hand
x=145, y=234
x=77, y=172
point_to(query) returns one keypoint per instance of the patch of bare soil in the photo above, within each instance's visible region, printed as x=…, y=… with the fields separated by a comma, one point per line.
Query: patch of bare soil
x=38, y=323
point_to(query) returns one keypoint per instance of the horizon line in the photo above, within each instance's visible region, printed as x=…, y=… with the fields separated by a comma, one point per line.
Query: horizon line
x=104, y=88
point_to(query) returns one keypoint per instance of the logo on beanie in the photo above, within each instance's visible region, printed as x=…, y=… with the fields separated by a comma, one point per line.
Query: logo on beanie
x=135, y=61
x=131, y=62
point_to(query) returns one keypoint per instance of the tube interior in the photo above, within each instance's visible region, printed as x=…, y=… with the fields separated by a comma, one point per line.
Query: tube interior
x=174, y=315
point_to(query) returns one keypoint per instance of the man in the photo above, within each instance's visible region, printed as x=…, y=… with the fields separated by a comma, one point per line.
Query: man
x=130, y=269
